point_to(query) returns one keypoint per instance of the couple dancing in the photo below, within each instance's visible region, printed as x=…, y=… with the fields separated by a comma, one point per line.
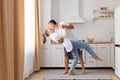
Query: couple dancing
x=61, y=33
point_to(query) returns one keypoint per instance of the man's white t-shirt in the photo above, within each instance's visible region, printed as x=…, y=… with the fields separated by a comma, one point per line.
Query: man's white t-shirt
x=63, y=33
x=68, y=33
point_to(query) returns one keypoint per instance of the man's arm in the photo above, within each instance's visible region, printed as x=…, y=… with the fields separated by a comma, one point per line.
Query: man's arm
x=70, y=26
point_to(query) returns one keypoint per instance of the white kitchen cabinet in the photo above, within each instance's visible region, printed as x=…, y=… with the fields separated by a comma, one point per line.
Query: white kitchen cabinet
x=57, y=54
x=90, y=61
x=112, y=56
x=52, y=55
x=103, y=51
x=45, y=56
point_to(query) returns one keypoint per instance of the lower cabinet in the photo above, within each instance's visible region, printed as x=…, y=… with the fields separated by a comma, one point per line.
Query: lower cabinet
x=112, y=56
x=45, y=56
x=90, y=61
x=105, y=52
x=53, y=56
x=57, y=55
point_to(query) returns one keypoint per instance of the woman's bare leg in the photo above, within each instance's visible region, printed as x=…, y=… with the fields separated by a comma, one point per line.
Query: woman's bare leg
x=66, y=62
x=98, y=58
x=82, y=64
x=71, y=72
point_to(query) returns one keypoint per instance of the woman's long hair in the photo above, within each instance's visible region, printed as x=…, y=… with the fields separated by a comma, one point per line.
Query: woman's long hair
x=44, y=35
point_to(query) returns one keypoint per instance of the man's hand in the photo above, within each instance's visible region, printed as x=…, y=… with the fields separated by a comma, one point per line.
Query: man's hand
x=61, y=40
x=62, y=26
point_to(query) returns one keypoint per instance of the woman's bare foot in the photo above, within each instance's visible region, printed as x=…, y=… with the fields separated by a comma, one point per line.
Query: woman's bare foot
x=65, y=72
x=98, y=58
x=83, y=71
x=71, y=73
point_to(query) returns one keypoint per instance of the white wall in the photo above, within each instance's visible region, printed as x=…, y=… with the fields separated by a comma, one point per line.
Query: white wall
x=45, y=12
x=89, y=5
x=101, y=29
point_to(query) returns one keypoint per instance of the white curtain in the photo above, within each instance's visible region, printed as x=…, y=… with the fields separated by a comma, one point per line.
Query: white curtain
x=29, y=36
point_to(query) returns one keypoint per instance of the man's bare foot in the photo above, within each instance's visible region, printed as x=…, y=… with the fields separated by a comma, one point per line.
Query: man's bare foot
x=84, y=71
x=65, y=72
x=98, y=58
x=71, y=73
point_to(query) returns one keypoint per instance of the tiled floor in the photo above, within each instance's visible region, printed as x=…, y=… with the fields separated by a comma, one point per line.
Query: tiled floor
x=39, y=75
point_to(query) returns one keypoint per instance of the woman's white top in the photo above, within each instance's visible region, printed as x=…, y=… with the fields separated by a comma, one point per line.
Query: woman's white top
x=57, y=35
x=63, y=33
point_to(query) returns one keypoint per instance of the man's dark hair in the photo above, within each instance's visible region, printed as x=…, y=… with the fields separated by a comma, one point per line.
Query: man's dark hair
x=52, y=21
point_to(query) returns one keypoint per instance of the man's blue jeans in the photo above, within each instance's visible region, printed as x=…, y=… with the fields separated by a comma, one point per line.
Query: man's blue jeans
x=76, y=45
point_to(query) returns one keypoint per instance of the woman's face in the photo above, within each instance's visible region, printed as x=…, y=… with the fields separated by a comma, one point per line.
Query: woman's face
x=50, y=30
x=51, y=26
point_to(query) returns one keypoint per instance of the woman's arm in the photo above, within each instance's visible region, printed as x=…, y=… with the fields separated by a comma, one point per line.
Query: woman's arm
x=61, y=40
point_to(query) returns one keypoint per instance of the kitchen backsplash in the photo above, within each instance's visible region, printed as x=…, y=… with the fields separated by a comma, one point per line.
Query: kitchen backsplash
x=99, y=31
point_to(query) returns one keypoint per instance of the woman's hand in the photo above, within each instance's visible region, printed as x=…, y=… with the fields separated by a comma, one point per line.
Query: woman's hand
x=61, y=40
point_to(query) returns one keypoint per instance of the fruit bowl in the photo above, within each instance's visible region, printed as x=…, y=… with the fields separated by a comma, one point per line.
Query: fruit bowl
x=90, y=40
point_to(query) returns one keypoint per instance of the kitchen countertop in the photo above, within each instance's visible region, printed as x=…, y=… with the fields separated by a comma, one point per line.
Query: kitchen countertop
x=94, y=42
x=98, y=42
x=101, y=42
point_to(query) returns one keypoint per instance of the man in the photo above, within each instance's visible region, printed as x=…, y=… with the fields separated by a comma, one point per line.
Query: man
x=70, y=36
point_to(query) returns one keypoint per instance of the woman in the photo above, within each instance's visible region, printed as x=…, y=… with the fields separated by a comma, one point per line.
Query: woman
x=70, y=45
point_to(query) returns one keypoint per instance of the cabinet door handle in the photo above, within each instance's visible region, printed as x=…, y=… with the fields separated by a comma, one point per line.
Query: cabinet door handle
x=103, y=47
x=45, y=48
x=117, y=45
x=58, y=48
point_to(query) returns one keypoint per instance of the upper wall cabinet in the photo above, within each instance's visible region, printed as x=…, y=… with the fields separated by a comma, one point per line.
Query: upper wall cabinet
x=66, y=10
